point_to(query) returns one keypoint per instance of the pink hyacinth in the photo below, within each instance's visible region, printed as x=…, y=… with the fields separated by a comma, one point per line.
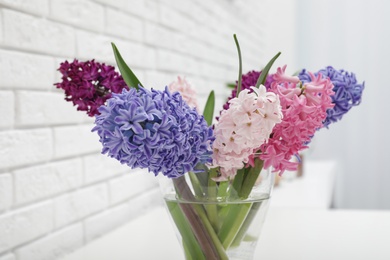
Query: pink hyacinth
x=186, y=91
x=243, y=128
x=304, y=109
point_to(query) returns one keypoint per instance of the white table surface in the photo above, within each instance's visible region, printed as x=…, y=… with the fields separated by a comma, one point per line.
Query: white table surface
x=299, y=226
x=291, y=234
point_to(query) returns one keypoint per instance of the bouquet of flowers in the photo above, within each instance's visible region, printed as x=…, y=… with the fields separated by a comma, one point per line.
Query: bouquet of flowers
x=218, y=178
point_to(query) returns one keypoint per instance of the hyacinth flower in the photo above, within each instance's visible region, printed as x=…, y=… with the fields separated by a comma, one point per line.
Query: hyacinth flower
x=348, y=92
x=185, y=89
x=144, y=128
x=213, y=169
x=304, y=106
x=159, y=131
x=248, y=80
x=89, y=84
x=243, y=128
x=154, y=129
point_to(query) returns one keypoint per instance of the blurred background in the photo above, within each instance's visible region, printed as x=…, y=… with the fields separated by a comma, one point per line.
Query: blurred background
x=57, y=192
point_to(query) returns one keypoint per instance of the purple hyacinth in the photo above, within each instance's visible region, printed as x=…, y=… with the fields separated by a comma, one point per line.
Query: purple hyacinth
x=155, y=130
x=89, y=84
x=348, y=92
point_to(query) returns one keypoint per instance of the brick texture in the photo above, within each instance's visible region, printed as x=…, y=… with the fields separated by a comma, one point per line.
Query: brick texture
x=7, y=103
x=23, y=147
x=6, y=191
x=36, y=71
x=25, y=225
x=83, y=14
x=79, y=204
x=39, y=7
x=75, y=140
x=8, y=257
x=37, y=34
x=53, y=246
x=98, y=167
x=130, y=185
x=122, y=25
x=100, y=224
x=57, y=192
x=40, y=108
x=43, y=181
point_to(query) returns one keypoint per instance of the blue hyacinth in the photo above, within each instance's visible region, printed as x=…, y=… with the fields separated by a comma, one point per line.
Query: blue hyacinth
x=348, y=92
x=155, y=130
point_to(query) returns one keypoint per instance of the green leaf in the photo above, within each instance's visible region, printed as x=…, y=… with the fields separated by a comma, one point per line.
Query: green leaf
x=264, y=72
x=208, y=111
x=239, y=65
x=128, y=75
x=231, y=85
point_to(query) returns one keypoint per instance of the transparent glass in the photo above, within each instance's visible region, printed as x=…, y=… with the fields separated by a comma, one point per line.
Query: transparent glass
x=214, y=220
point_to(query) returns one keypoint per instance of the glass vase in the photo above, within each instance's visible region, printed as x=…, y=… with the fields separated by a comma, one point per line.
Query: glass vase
x=217, y=220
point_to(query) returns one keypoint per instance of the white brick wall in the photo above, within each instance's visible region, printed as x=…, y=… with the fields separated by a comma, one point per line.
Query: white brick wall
x=37, y=34
x=25, y=225
x=108, y=220
x=53, y=246
x=8, y=257
x=37, y=108
x=6, y=191
x=124, y=26
x=23, y=147
x=20, y=70
x=7, y=104
x=83, y=14
x=57, y=192
x=79, y=204
x=46, y=180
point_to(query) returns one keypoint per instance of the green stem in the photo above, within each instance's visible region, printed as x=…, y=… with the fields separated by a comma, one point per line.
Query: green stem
x=214, y=237
x=223, y=212
x=240, y=64
x=196, y=185
x=190, y=244
x=223, y=208
x=243, y=184
x=237, y=183
x=250, y=179
x=200, y=225
x=187, y=252
x=223, y=190
x=233, y=223
x=211, y=208
x=245, y=226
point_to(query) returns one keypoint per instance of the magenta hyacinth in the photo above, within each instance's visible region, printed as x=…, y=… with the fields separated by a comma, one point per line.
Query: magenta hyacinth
x=89, y=84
